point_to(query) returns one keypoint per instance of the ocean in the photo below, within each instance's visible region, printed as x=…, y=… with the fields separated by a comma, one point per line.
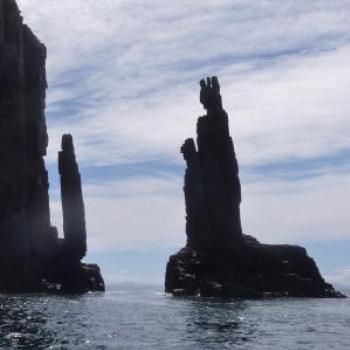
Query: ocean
x=142, y=317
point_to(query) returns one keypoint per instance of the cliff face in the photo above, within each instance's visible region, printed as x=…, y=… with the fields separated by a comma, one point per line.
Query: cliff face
x=218, y=259
x=24, y=205
x=29, y=245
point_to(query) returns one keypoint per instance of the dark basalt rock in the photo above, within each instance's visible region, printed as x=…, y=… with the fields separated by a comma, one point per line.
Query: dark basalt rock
x=218, y=260
x=72, y=202
x=32, y=257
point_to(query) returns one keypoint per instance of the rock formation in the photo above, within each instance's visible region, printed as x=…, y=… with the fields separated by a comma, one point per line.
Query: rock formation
x=72, y=202
x=218, y=259
x=32, y=257
x=212, y=187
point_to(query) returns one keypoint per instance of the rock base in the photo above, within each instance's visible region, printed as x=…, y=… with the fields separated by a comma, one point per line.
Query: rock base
x=253, y=270
x=61, y=278
x=81, y=278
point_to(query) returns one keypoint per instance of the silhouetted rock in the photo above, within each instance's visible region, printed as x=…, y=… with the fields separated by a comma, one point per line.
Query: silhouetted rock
x=32, y=257
x=218, y=259
x=212, y=187
x=72, y=202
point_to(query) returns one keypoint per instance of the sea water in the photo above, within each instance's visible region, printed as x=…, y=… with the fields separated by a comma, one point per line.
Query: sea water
x=143, y=317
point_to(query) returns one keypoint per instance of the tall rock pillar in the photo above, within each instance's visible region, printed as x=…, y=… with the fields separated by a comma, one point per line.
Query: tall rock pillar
x=212, y=187
x=72, y=202
x=219, y=260
x=15, y=240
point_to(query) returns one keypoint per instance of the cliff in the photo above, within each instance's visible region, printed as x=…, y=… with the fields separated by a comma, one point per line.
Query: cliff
x=32, y=257
x=219, y=260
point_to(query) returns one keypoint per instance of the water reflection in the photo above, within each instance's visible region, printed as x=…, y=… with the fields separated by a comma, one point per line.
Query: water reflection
x=44, y=322
x=214, y=322
x=22, y=325
x=141, y=318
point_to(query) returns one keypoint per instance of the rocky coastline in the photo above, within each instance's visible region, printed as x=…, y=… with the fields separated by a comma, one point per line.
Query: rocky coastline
x=32, y=256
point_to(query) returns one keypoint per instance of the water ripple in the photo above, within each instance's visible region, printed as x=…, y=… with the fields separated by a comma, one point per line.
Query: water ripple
x=144, y=318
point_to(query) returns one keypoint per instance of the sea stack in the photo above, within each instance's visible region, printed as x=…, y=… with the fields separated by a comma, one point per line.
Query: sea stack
x=72, y=201
x=32, y=257
x=218, y=259
x=212, y=188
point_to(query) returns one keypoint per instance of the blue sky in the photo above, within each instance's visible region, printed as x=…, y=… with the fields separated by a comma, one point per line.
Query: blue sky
x=123, y=79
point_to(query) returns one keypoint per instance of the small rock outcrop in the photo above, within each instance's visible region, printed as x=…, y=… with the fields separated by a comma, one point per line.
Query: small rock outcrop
x=32, y=256
x=219, y=260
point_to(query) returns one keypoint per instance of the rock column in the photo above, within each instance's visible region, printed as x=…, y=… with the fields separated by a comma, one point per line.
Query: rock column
x=72, y=202
x=212, y=187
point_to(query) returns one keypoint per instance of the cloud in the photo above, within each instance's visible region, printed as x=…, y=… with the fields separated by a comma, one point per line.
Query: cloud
x=340, y=276
x=310, y=209
x=123, y=79
x=123, y=75
x=135, y=213
x=289, y=110
x=143, y=212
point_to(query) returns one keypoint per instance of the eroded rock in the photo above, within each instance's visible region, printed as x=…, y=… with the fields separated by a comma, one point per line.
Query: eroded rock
x=32, y=256
x=218, y=259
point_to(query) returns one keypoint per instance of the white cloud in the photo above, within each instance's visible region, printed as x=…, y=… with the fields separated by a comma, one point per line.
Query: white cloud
x=131, y=69
x=312, y=209
x=141, y=213
x=148, y=213
x=340, y=275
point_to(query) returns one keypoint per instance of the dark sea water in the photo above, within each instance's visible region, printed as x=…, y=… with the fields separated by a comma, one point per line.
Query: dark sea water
x=142, y=317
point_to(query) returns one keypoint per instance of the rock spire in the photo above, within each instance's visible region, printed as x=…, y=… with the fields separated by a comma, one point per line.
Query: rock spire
x=72, y=201
x=212, y=187
x=218, y=259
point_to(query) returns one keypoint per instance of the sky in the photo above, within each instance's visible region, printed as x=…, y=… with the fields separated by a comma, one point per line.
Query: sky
x=123, y=79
